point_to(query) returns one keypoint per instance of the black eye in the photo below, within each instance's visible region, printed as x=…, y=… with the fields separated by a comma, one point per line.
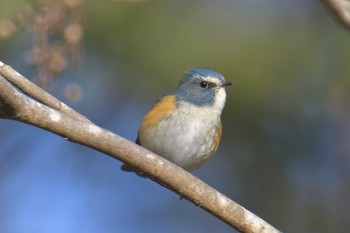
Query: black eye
x=204, y=84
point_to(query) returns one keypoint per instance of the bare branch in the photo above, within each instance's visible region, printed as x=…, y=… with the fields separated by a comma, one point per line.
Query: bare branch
x=36, y=92
x=49, y=116
x=7, y=99
x=340, y=9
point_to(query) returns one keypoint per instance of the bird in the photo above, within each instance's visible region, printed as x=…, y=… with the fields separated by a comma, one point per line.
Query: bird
x=184, y=126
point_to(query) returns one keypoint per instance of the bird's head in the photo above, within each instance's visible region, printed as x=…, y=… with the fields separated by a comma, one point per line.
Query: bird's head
x=203, y=87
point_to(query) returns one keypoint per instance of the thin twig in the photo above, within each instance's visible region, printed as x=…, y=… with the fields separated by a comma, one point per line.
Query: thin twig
x=37, y=93
x=340, y=9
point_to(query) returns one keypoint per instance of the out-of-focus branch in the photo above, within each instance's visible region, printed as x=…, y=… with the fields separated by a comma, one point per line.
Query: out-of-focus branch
x=340, y=9
x=36, y=107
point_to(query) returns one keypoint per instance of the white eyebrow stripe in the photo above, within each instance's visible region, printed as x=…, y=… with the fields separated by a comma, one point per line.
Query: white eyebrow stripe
x=212, y=80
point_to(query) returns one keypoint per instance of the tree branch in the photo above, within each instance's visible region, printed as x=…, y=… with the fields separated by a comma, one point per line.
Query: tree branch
x=36, y=107
x=340, y=9
x=37, y=93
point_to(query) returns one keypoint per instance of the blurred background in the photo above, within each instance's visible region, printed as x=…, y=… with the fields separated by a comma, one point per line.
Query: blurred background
x=285, y=151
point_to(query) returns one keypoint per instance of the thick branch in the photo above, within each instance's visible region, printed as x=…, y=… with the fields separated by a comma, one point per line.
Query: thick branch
x=84, y=132
x=340, y=9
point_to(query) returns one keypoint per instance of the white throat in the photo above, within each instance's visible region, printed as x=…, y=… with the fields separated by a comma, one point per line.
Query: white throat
x=220, y=99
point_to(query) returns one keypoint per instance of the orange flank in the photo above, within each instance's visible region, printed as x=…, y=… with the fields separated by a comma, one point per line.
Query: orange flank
x=161, y=109
x=217, y=139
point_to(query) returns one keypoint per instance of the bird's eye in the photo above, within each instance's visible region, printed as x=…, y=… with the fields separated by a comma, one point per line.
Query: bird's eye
x=204, y=84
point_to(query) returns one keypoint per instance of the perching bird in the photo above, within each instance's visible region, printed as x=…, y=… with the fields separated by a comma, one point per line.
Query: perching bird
x=184, y=126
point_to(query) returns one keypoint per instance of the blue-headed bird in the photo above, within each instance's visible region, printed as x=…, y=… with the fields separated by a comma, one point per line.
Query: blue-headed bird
x=184, y=126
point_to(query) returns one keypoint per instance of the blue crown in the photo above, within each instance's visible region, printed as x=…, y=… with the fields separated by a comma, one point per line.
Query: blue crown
x=202, y=72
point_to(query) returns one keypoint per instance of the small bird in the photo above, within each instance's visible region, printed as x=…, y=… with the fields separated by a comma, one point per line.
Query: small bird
x=184, y=126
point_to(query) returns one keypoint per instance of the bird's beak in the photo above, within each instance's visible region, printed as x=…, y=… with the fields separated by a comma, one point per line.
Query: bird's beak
x=226, y=83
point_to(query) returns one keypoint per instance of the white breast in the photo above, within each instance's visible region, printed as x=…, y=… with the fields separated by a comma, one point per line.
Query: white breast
x=187, y=136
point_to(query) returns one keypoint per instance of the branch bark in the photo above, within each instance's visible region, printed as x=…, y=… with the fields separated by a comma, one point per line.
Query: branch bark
x=38, y=108
x=340, y=9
